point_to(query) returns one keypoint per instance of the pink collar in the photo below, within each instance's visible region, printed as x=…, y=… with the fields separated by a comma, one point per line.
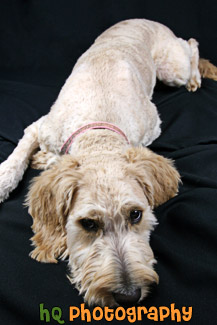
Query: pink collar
x=95, y=125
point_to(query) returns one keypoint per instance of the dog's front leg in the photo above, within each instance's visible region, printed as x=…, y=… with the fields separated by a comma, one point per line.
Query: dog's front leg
x=13, y=168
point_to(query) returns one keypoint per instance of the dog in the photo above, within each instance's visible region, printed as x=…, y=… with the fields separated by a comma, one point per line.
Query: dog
x=94, y=201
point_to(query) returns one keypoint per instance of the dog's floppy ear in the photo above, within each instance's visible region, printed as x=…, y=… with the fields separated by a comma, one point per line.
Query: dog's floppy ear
x=156, y=174
x=49, y=200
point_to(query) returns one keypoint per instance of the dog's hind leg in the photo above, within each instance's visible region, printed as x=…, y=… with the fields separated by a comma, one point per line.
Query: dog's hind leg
x=194, y=81
x=177, y=63
x=13, y=168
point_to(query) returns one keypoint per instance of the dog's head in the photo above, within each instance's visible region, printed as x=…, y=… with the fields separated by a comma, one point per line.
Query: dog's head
x=101, y=216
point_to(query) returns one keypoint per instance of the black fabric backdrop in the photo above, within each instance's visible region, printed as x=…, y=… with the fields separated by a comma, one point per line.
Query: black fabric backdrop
x=40, y=42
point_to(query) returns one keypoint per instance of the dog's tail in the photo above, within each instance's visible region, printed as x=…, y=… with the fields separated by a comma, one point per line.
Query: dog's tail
x=12, y=169
x=207, y=69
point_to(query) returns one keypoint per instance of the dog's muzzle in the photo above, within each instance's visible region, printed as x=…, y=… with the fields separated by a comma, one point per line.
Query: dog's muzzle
x=127, y=299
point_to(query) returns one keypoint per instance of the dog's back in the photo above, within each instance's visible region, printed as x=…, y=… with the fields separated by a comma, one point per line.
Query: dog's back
x=113, y=81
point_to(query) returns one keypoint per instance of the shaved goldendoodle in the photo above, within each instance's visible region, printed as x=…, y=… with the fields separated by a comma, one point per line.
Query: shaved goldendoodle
x=94, y=201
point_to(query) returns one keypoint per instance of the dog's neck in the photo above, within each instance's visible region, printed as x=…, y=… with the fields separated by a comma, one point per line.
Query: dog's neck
x=98, y=142
x=91, y=126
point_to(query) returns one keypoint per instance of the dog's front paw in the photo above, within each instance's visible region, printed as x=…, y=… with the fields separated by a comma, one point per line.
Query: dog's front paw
x=7, y=181
x=43, y=160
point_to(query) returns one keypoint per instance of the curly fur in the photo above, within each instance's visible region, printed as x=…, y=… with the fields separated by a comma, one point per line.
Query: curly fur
x=103, y=178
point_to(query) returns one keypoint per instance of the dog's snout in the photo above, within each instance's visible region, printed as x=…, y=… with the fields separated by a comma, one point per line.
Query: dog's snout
x=127, y=299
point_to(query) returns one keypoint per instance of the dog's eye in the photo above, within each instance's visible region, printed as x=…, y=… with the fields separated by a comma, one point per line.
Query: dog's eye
x=89, y=224
x=135, y=216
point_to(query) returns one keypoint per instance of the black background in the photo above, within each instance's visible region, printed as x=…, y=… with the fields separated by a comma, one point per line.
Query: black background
x=40, y=42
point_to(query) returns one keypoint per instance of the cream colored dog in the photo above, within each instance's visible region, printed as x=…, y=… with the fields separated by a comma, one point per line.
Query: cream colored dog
x=95, y=203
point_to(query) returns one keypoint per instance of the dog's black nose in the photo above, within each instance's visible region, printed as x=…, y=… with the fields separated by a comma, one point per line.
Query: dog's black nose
x=127, y=299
